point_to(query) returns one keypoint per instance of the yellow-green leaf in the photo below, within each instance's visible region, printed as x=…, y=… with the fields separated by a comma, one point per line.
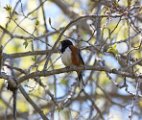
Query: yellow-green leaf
x=113, y=50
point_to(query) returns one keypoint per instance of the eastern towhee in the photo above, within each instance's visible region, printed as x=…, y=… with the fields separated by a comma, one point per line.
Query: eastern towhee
x=71, y=56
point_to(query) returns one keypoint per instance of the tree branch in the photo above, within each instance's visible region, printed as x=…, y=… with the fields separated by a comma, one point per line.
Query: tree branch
x=74, y=68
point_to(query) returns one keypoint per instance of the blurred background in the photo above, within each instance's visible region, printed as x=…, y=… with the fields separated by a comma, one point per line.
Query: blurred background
x=109, y=37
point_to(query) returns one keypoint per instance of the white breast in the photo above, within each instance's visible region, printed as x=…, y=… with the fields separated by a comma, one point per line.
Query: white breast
x=66, y=57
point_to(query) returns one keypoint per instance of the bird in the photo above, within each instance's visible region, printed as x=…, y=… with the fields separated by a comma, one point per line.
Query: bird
x=70, y=55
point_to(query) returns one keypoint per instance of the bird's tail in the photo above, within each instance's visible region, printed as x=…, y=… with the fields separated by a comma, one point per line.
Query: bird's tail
x=81, y=82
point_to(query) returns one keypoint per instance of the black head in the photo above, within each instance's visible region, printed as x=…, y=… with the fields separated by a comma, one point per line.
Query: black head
x=65, y=44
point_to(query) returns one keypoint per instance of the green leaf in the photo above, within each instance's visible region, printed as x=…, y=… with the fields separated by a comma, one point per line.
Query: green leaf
x=25, y=44
x=37, y=22
x=113, y=50
x=33, y=59
x=8, y=8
